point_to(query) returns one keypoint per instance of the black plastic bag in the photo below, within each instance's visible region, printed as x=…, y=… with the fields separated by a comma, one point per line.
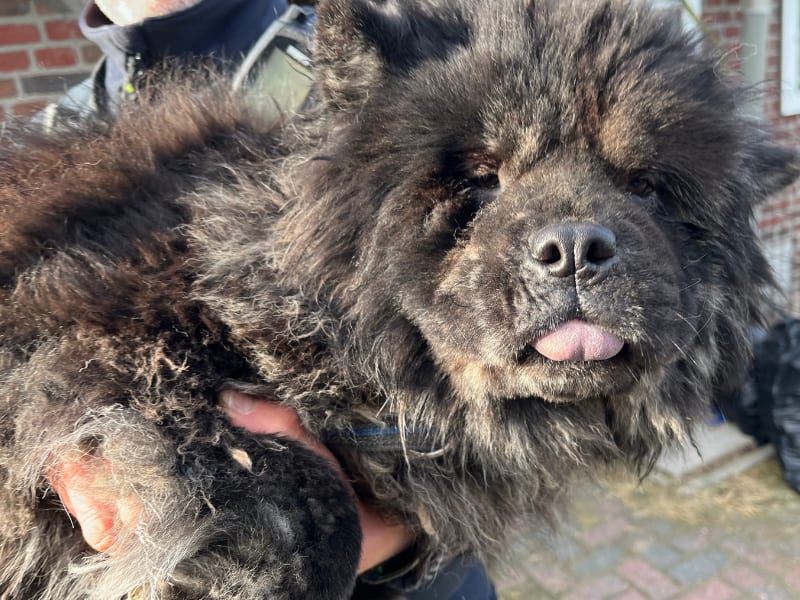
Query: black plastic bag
x=750, y=408
x=768, y=408
x=786, y=404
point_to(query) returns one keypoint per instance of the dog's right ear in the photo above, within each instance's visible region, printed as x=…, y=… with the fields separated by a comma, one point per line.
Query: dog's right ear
x=360, y=42
x=774, y=167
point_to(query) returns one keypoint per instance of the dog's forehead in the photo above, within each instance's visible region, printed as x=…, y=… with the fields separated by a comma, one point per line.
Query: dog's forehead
x=619, y=77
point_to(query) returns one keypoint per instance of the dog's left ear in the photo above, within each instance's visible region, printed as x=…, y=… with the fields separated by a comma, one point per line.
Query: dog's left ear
x=360, y=42
x=773, y=167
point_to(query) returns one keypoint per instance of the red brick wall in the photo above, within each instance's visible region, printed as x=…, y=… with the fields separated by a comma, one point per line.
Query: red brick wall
x=42, y=53
x=779, y=217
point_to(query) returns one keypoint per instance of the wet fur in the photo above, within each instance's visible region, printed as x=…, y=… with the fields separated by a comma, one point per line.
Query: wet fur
x=360, y=264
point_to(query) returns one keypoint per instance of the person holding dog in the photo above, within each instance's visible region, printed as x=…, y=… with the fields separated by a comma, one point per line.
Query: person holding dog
x=136, y=35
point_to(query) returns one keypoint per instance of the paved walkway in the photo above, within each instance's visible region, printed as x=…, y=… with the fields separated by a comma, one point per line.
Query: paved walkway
x=623, y=541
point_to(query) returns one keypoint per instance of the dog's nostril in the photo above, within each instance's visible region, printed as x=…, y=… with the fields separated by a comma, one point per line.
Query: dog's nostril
x=548, y=254
x=551, y=249
x=595, y=250
x=601, y=250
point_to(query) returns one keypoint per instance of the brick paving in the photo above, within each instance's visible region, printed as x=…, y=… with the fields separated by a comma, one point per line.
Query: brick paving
x=620, y=542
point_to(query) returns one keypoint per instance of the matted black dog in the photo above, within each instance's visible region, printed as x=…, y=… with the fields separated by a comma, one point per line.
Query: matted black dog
x=519, y=231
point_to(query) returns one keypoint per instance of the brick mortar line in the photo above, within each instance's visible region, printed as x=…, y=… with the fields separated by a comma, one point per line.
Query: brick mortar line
x=69, y=43
x=80, y=67
x=33, y=18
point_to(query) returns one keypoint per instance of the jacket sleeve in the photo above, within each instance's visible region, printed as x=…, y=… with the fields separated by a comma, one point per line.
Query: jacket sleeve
x=464, y=578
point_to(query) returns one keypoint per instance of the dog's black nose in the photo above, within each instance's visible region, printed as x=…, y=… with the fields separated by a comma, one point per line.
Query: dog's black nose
x=567, y=249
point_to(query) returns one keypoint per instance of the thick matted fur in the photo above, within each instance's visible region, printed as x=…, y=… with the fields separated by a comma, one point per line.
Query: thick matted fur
x=477, y=177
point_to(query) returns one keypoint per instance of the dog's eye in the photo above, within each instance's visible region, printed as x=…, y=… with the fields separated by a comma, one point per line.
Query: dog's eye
x=481, y=170
x=484, y=177
x=641, y=185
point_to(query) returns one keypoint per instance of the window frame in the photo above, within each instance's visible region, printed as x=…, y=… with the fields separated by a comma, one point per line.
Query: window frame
x=696, y=6
x=790, y=57
x=688, y=21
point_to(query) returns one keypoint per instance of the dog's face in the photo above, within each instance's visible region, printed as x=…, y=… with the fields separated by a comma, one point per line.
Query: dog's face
x=560, y=199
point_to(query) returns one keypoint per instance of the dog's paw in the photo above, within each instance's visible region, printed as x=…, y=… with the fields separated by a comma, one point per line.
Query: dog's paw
x=283, y=526
x=244, y=518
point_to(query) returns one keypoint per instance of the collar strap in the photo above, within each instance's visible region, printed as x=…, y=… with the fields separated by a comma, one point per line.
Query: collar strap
x=381, y=437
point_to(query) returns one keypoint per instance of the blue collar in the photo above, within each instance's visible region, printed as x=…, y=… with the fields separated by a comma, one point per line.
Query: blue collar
x=381, y=437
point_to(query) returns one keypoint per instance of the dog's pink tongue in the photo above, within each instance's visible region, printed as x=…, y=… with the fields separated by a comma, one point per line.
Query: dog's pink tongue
x=578, y=340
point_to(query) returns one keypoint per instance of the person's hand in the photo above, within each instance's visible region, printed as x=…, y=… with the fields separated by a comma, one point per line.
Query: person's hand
x=380, y=540
x=101, y=518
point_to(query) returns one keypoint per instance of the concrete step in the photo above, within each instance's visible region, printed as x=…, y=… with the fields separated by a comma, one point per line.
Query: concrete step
x=713, y=444
x=721, y=451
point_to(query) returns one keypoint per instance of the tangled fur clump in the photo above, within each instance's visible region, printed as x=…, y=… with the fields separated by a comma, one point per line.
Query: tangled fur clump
x=519, y=231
